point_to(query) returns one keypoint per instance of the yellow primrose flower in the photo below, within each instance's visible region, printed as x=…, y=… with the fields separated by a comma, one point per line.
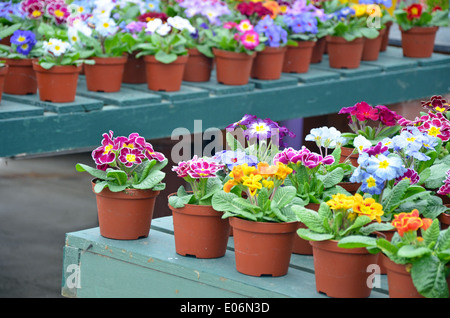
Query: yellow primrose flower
x=229, y=185
x=252, y=182
x=360, y=9
x=340, y=202
x=374, y=10
x=283, y=171
x=368, y=206
x=268, y=184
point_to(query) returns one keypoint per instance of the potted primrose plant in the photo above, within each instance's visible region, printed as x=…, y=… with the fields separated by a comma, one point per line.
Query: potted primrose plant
x=418, y=25
x=258, y=207
x=21, y=79
x=163, y=47
x=417, y=264
x=127, y=180
x=199, y=229
x=334, y=229
x=235, y=47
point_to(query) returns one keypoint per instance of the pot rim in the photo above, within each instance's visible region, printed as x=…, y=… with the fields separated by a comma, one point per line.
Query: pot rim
x=340, y=39
x=331, y=246
x=109, y=60
x=303, y=44
x=194, y=209
x=264, y=227
x=181, y=59
x=420, y=30
x=20, y=62
x=234, y=55
x=61, y=69
x=127, y=193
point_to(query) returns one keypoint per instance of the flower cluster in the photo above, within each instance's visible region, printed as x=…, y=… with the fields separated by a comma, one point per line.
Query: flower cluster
x=301, y=26
x=445, y=188
x=125, y=153
x=434, y=124
x=304, y=157
x=197, y=168
x=353, y=206
x=212, y=10
x=376, y=168
x=243, y=34
x=409, y=223
x=326, y=137
x=421, y=15
x=362, y=115
x=57, y=10
x=8, y=10
x=436, y=104
x=254, y=10
x=56, y=47
x=174, y=24
x=276, y=35
x=250, y=179
x=24, y=41
x=232, y=158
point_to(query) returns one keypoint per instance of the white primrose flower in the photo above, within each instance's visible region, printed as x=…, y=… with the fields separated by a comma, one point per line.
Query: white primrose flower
x=56, y=47
x=180, y=23
x=164, y=29
x=360, y=143
x=106, y=27
x=153, y=25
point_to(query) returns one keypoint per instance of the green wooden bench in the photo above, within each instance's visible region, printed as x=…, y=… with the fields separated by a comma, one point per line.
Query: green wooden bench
x=29, y=126
x=150, y=267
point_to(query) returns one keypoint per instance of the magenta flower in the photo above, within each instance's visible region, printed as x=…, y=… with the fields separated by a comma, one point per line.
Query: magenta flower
x=106, y=152
x=149, y=152
x=437, y=125
x=129, y=142
x=410, y=175
x=182, y=169
x=202, y=168
x=244, y=26
x=387, y=116
x=130, y=156
x=229, y=25
x=250, y=39
x=302, y=157
x=59, y=10
x=34, y=9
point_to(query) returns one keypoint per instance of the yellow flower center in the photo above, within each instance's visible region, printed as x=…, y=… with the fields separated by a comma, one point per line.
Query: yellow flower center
x=434, y=131
x=36, y=13
x=384, y=164
x=131, y=158
x=21, y=38
x=371, y=182
x=107, y=149
x=59, y=13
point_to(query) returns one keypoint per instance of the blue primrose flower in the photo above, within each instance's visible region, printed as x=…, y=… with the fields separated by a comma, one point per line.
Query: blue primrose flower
x=371, y=183
x=385, y=167
x=234, y=158
x=24, y=40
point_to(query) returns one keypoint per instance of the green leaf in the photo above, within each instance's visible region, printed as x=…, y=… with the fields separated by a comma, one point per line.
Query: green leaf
x=212, y=186
x=116, y=187
x=394, y=196
x=284, y=195
x=179, y=201
x=356, y=241
x=310, y=218
x=332, y=178
x=360, y=221
x=99, y=186
x=100, y=174
x=429, y=277
x=431, y=235
x=165, y=58
x=118, y=175
x=409, y=251
x=309, y=235
x=151, y=180
x=224, y=202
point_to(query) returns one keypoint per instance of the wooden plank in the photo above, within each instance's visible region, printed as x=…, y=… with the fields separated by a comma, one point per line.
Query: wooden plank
x=218, y=89
x=315, y=75
x=185, y=92
x=281, y=82
x=125, y=97
x=390, y=63
x=150, y=267
x=362, y=70
x=10, y=109
x=435, y=59
x=80, y=105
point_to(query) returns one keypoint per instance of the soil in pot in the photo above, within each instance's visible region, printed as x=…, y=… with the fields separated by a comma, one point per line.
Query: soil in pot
x=125, y=215
x=263, y=248
x=198, y=67
x=106, y=74
x=344, y=54
x=418, y=42
x=200, y=231
x=268, y=63
x=342, y=272
x=233, y=68
x=164, y=77
x=298, y=58
x=371, y=49
x=21, y=78
x=58, y=84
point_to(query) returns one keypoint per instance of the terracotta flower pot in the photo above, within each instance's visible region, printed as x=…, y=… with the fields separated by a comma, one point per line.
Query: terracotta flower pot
x=106, y=74
x=318, y=50
x=58, y=84
x=233, y=68
x=444, y=219
x=268, y=63
x=351, y=187
x=388, y=236
x=342, y=272
x=3, y=73
x=263, y=248
x=200, y=231
x=198, y=67
x=385, y=40
x=302, y=246
x=399, y=281
x=347, y=152
x=134, y=70
x=371, y=49
x=343, y=53
x=125, y=215
x=164, y=77
x=418, y=41
x=298, y=58
x=21, y=78
x=6, y=40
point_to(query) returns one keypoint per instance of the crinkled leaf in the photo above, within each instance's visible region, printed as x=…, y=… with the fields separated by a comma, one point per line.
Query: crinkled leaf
x=100, y=174
x=309, y=235
x=429, y=277
x=284, y=195
x=409, y=251
x=310, y=218
x=151, y=180
x=356, y=241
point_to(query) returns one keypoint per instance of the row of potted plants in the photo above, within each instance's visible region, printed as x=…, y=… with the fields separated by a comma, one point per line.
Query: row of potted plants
x=273, y=195
x=144, y=42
